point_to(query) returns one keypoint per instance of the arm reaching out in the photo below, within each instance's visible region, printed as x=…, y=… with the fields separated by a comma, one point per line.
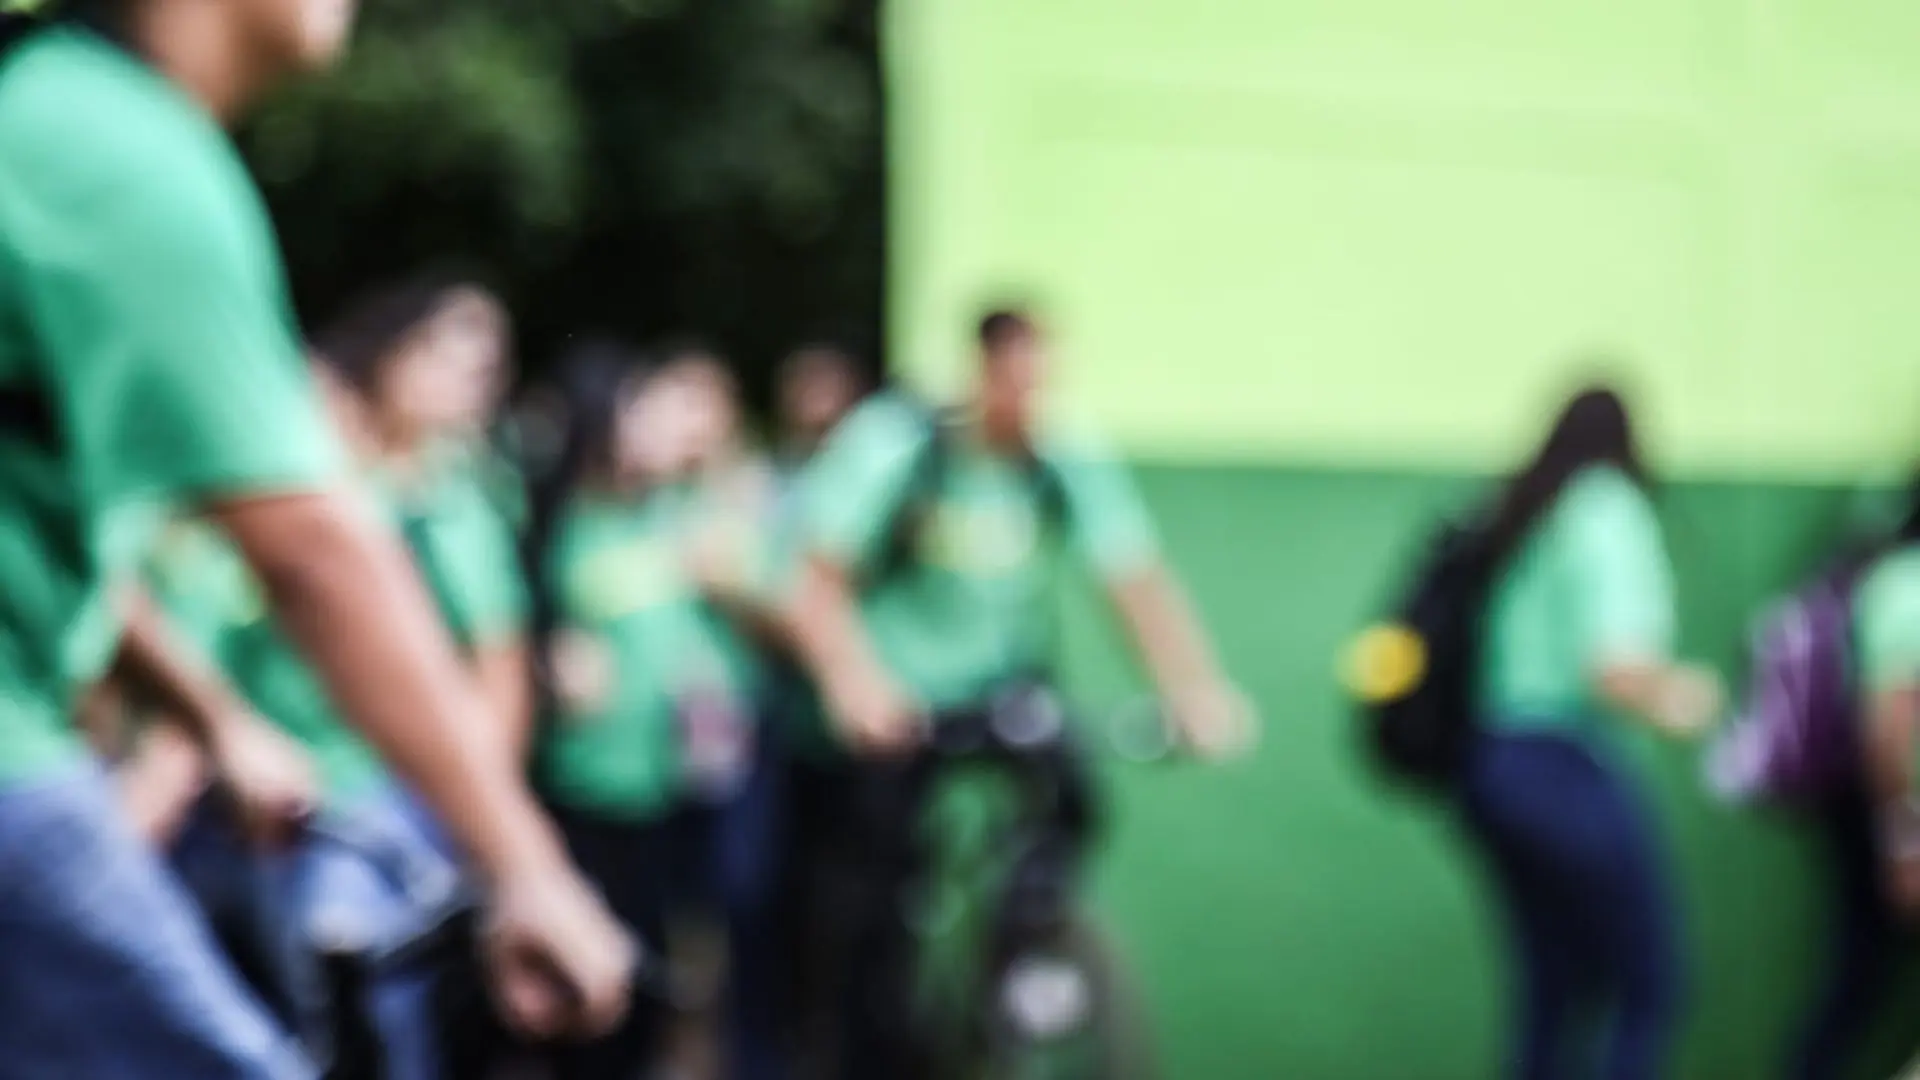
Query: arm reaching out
x=861, y=697
x=1210, y=715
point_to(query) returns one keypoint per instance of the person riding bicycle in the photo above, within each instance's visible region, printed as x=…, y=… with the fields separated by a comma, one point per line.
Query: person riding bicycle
x=147, y=359
x=909, y=602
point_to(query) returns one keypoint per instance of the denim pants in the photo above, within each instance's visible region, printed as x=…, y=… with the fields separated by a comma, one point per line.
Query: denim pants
x=368, y=878
x=1588, y=905
x=109, y=971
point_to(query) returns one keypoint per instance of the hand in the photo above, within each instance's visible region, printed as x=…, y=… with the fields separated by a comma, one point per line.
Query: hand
x=1689, y=702
x=558, y=963
x=270, y=777
x=874, y=717
x=1215, y=720
x=161, y=781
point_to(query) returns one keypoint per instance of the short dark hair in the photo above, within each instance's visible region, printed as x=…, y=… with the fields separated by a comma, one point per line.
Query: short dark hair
x=362, y=339
x=1002, y=326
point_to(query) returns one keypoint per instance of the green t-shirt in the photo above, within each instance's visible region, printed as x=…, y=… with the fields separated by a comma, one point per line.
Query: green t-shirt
x=974, y=610
x=144, y=321
x=465, y=549
x=1886, y=614
x=624, y=598
x=211, y=596
x=1592, y=584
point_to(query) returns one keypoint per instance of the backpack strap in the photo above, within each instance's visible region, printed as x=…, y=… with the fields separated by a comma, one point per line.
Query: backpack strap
x=914, y=503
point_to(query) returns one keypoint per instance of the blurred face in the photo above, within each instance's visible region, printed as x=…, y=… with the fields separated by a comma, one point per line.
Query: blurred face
x=1013, y=374
x=450, y=373
x=654, y=435
x=712, y=419
x=298, y=35
x=819, y=389
x=345, y=409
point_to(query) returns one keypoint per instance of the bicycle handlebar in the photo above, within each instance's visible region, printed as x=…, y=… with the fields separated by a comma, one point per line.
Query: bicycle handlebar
x=1033, y=721
x=453, y=922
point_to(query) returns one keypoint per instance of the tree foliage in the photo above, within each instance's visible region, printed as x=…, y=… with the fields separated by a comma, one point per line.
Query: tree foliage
x=640, y=167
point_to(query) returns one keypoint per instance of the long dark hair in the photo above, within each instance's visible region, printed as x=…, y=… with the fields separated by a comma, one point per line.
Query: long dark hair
x=594, y=380
x=1593, y=429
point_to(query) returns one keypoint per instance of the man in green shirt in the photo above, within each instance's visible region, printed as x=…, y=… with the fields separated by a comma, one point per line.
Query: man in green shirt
x=148, y=360
x=899, y=624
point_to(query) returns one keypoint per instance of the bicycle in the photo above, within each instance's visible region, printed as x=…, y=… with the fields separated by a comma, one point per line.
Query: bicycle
x=1007, y=974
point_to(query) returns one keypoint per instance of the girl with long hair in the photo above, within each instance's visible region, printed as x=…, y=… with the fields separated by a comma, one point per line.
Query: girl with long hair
x=1578, y=635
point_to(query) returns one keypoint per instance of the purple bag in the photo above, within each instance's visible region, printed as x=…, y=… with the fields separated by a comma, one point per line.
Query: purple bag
x=1795, y=742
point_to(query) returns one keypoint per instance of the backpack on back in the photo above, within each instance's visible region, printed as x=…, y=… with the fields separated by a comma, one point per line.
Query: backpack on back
x=1413, y=677
x=1795, y=741
x=919, y=495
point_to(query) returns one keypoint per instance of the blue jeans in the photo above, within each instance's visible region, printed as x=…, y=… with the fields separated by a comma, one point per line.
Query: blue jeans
x=109, y=972
x=367, y=879
x=1588, y=904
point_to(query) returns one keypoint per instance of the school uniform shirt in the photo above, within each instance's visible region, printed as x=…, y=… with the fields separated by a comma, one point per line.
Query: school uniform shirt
x=974, y=609
x=634, y=638
x=211, y=595
x=1591, y=585
x=1886, y=613
x=147, y=358
x=464, y=546
x=1886, y=623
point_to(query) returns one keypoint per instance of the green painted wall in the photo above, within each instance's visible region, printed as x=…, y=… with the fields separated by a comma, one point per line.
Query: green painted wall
x=1382, y=230
x=1293, y=922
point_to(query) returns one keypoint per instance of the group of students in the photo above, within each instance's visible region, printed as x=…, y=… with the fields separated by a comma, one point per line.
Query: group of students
x=344, y=667
x=1566, y=595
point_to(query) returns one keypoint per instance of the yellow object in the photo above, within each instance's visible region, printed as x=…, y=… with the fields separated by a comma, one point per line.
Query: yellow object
x=1385, y=663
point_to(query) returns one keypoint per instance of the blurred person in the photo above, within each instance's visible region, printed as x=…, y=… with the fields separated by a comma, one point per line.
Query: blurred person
x=818, y=386
x=1868, y=829
x=324, y=894
x=1579, y=630
x=423, y=356
x=617, y=622
x=146, y=358
x=910, y=602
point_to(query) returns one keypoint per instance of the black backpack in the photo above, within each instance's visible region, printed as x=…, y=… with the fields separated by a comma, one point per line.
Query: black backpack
x=1413, y=676
x=920, y=494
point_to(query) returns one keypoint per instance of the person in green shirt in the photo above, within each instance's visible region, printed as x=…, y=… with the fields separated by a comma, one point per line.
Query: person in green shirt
x=1578, y=633
x=1868, y=829
x=898, y=624
x=425, y=356
x=148, y=361
x=626, y=652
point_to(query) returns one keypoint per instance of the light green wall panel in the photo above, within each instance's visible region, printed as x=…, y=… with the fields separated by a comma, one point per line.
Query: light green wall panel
x=1392, y=230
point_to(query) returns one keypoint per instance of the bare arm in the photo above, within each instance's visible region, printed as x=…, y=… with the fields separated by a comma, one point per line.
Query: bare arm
x=1675, y=698
x=1177, y=654
x=834, y=646
x=154, y=664
x=1892, y=724
x=1165, y=633
x=506, y=681
x=347, y=594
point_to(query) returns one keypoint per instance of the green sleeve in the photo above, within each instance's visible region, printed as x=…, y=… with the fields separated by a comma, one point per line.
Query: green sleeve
x=1625, y=591
x=163, y=314
x=1888, y=623
x=485, y=599
x=852, y=490
x=1107, y=518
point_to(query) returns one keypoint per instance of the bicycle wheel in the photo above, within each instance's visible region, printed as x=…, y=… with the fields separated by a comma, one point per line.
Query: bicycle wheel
x=1068, y=1009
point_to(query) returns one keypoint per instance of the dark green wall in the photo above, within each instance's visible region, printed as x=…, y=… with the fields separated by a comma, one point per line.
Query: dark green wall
x=1291, y=921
